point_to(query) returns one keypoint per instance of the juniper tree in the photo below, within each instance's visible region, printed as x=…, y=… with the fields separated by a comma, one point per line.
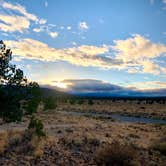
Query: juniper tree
x=14, y=87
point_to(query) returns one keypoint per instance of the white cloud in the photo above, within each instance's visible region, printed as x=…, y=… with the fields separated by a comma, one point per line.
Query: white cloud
x=83, y=25
x=53, y=34
x=139, y=52
x=18, y=19
x=46, y=4
x=19, y=9
x=11, y=24
x=135, y=55
x=69, y=28
x=138, y=47
x=42, y=21
x=82, y=55
x=37, y=30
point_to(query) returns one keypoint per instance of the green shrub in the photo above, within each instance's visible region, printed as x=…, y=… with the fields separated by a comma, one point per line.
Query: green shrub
x=10, y=107
x=80, y=102
x=90, y=102
x=32, y=106
x=37, y=126
x=72, y=101
x=50, y=103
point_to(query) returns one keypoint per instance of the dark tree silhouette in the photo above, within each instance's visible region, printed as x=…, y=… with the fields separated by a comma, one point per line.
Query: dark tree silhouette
x=14, y=87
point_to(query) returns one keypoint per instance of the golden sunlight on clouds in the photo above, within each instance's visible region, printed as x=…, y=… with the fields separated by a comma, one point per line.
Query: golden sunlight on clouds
x=136, y=54
x=137, y=48
x=18, y=21
x=59, y=84
x=83, y=55
x=148, y=85
x=150, y=67
x=11, y=24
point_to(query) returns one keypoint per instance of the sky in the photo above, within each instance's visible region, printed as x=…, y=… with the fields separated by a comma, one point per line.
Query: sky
x=88, y=45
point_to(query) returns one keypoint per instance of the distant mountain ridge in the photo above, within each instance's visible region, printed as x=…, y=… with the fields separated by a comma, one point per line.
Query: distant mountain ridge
x=51, y=92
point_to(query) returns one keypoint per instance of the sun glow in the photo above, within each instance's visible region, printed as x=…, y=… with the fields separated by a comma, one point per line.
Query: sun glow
x=60, y=85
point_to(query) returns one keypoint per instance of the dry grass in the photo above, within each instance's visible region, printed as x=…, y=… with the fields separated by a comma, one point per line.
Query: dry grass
x=3, y=141
x=21, y=143
x=160, y=146
x=6, y=137
x=130, y=107
x=115, y=154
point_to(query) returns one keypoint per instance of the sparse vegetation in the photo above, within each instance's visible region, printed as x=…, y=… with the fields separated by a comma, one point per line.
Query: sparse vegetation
x=115, y=154
x=90, y=102
x=50, y=103
x=37, y=126
x=72, y=101
x=80, y=101
x=75, y=138
x=160, y=146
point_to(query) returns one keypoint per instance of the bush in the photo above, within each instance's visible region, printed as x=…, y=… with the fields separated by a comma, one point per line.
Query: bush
x=72, y=101
x=50, y=103
x=32, y=106
x=160, y=146
x=115, y=154
x=9, y=106
x=80, y=102
x=37, y=126
x=90, y=102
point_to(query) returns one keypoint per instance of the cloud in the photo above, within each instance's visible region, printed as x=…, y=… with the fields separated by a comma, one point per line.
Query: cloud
x=37, y=30
x=47, y=29
x=53, y=34
x=99, y=88
x=139, y=52
x=18, y=19
x=137, y=48
x=134, y=55
x=83, y=55
x=150, y=67
x=90, y=85
x=10, y=24
x=69, y=28
x=148, y=85
x=42, y=21
x=20, y=9
x=83, y=25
